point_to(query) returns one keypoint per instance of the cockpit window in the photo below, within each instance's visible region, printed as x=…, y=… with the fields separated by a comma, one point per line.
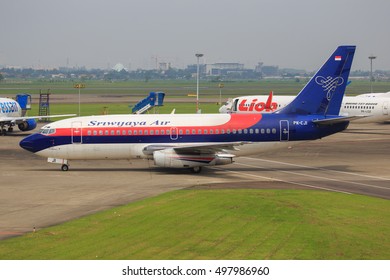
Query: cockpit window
x=47, y=131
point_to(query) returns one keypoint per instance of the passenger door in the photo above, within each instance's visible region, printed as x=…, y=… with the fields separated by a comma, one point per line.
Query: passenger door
x=385, y=108
x=77, y=133
x=284, y=130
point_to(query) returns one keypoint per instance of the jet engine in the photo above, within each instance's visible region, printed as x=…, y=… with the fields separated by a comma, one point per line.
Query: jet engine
x=170, y=158
x=27, y=125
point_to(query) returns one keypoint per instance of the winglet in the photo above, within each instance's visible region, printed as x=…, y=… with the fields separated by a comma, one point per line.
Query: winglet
x=323, y=94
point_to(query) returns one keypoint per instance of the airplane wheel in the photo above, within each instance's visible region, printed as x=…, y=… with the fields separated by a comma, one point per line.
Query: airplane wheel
x=64, y=167
x=196, y=169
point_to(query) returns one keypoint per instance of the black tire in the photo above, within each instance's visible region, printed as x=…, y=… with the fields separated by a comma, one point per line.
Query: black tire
x=196, y=169
x=64, y=167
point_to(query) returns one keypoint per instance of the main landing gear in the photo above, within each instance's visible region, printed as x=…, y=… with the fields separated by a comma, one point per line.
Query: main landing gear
x=3, y=130
x=196, y=169
x=65, y=167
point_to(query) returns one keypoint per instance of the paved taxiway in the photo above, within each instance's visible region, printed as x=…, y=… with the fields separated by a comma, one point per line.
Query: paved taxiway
x=34, y=193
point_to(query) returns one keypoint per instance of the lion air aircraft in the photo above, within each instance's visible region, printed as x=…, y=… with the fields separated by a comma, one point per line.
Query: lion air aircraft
x=366, y=108
x=196, y=140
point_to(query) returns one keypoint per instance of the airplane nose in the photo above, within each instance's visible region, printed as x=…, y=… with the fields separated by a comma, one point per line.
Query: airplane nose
x=32, y=143
x=27, y=144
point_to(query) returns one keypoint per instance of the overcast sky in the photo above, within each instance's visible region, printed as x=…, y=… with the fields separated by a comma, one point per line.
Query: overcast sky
x=98, y=33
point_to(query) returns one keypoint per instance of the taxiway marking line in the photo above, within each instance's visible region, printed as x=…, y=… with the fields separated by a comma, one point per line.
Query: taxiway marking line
x=317, y=177
x=319, y=168
x=279, y=180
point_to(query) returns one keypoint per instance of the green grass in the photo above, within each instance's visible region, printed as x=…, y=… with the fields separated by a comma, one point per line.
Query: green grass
x=220, y=224
x=179, y=88
x=172, y=88
x=120, y=108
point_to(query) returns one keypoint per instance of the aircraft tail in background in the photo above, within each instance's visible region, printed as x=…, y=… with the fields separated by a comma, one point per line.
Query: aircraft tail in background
x=323, y=94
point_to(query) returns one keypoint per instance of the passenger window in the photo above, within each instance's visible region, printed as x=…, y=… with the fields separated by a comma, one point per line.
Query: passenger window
x=274, y=131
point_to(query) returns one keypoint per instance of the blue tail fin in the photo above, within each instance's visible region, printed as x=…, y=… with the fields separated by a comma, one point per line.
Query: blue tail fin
x=324, y=93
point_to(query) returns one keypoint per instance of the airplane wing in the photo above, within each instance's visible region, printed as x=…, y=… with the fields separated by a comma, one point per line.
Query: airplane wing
x=206, y=148
x=22, y=119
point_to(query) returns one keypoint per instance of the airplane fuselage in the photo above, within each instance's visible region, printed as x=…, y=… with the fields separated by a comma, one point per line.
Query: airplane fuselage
x=127, y=136
x=374, y=109
x=9, y=108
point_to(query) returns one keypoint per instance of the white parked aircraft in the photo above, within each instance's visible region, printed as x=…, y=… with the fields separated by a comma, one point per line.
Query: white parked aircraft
x=368, y=108
x=377, y=94
x=196, y=140
x=11, y=114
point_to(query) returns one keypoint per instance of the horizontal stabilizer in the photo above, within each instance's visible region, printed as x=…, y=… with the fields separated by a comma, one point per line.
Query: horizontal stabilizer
x=336, y=120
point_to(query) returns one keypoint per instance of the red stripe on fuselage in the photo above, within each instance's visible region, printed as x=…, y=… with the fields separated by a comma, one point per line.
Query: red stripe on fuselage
x=237, y=121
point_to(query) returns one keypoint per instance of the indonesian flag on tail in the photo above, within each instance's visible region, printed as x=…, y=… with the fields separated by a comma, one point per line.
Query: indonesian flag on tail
x=337, y=58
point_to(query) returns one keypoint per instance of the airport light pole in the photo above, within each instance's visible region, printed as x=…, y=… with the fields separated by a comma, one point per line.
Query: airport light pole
x=198, y=55
x=371, y=58
x=79, y=86
x=220, y=92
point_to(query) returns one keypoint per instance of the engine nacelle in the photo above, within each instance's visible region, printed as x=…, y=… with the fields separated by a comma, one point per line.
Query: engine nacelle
x=27, y=125
x=169, y=158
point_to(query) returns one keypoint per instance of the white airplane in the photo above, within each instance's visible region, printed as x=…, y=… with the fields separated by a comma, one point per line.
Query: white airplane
x=12, y=114
x=368, y=109
x=196, y=140
x=375, y=94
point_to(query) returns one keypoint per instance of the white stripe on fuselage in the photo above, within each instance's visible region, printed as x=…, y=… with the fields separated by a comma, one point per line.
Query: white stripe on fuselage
x=155, y=121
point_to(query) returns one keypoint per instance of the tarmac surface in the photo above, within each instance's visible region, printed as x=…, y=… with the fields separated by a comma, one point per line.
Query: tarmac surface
x=37, y=194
